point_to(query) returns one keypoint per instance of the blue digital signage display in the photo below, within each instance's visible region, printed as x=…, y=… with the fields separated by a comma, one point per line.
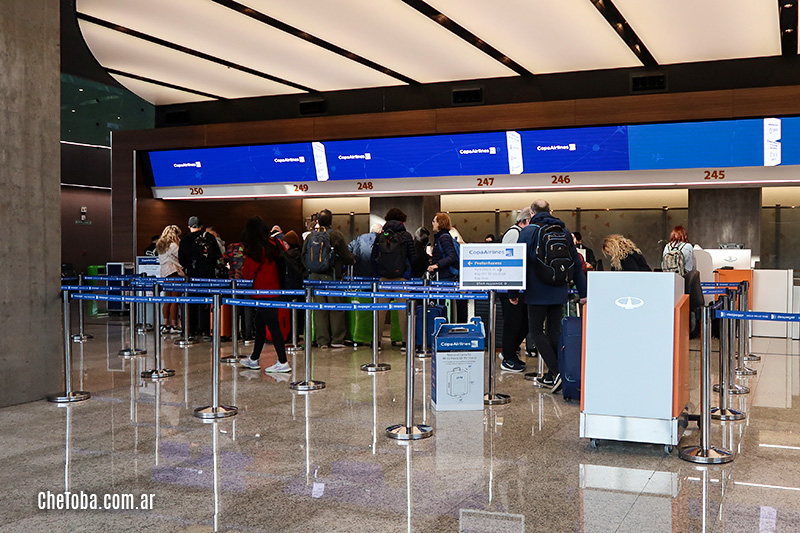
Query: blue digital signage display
x=575, y=149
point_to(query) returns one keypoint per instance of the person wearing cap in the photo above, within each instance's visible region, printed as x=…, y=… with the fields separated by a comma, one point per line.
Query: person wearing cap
x=196, y=266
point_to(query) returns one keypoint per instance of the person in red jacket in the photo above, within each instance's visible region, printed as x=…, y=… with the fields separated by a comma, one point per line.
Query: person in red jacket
x=261, y=253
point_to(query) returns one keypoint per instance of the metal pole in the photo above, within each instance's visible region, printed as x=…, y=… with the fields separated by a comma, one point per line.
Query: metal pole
x=295, y=342
x=81, y=336
x=132, y=350
x=705, y=453
x=185, y=340
x=234, y=357
x=733, y=387
x=158, y=371
x=308, y=384
x=426, y=281
x=375, y=366
x=749, y=355
x=409, y=431
x=723, y=412
x=215, y=410
x=69, y=395
x=490, y=398
x=741, y=367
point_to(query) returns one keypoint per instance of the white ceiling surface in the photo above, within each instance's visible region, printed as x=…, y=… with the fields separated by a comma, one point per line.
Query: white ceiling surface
x=544, y=36
x=684, y=31
x=158, y=95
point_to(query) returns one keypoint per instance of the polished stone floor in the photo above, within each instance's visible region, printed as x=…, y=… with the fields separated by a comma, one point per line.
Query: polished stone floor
x=320, y=461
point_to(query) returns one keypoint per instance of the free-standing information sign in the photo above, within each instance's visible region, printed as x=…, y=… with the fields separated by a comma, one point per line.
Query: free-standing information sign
x=492, y=266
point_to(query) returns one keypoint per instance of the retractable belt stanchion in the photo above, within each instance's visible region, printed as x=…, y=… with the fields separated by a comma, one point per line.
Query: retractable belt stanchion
x=733, y=387
x=132, y=350
x=375, y=366
x=295, y=347
x=69, y=395
x=741, y=368
x=185, y=340
x=723, y=412
x=748, y=353
x=423, y=353
x=81, y=336
x=704, y=453
x=490, y=398
x=308, y=384
x=234, y=357
x=215, y=410
x=158, y=371
x=142, y=326
x=409, y=431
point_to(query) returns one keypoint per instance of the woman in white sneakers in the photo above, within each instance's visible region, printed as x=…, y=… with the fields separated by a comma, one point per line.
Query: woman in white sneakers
x=167, y=251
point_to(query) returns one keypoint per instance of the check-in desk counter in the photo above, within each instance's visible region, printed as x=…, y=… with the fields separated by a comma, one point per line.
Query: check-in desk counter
x=636, y=358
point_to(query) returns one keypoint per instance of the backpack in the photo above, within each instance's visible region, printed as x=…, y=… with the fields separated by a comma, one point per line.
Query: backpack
x=551, y=255
x=673, y=260
x=204, y=255
x=453, y=269
x=291, y=270
x=391, y=258
x=319, y=256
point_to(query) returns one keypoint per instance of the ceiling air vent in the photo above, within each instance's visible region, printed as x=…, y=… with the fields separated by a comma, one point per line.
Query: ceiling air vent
x=317, y=106
x=178, y=117
x=468, y=96
x=649, y=84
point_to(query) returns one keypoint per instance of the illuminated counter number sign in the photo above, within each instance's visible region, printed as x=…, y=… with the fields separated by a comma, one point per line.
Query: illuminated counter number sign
x=302, y=187
x=195, y=191
x=561, y=179
x=485, y=182
x=713, y=174
x=364, y=185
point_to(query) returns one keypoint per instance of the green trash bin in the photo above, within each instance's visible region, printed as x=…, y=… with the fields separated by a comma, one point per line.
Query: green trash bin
x=97, y=308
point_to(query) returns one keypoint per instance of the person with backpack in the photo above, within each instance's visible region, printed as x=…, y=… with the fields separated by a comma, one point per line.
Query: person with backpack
x=199, y=254
x=361, y=247
x=393, y=253
x=515, y=315
x=678, y=254
x=325, y=251
x=445, y=249
x=553, y=263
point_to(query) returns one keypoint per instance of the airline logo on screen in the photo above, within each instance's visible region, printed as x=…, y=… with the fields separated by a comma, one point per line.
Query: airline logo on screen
x=367, y=156
x=196, y=164
x=470, y=151
x=571, y=147
x=298, y=159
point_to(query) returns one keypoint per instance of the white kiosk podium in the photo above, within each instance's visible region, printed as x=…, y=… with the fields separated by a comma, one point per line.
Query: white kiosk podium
x=636, y=358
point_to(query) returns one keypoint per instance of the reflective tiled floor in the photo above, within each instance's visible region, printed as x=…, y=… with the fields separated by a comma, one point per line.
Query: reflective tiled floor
x=321, y=462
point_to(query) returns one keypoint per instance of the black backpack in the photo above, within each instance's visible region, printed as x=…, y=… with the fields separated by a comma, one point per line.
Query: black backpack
x=205, y=252
x=319, y=254
x=291, y=270
x=551, y=255
x=391, y=258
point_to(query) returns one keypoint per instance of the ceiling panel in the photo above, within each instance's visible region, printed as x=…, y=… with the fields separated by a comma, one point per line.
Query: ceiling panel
x=683, y=31
x=215, y=30
x=389, y=33
x=156, y=94
x=544, y=36
x=122, y=52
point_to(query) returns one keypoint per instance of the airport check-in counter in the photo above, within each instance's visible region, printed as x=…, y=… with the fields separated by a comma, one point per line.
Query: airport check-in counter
x=635, y=358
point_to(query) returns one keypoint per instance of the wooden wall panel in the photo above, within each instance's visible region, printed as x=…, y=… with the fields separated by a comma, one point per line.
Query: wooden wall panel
x=506, y=117
x=376, y=125
x=654, y=108
x=121, y=204
x=765, y=101
x=262, y=132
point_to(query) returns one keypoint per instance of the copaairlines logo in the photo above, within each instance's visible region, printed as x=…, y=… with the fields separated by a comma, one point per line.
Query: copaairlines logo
x=629, y=302
x=730, y=259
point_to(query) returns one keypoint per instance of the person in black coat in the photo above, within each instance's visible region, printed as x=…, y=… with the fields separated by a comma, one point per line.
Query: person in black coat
x=624, y=254
x=444, y=251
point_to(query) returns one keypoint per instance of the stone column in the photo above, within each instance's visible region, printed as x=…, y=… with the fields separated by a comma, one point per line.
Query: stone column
x=725, y=215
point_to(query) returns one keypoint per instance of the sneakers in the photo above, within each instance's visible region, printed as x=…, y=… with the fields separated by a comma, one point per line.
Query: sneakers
x=547, y=380
x=250, y=363
x=403, y=347
x=337, y=345
x=175, y=329
x=512, y=366
x=278, y=368
x=556, y=383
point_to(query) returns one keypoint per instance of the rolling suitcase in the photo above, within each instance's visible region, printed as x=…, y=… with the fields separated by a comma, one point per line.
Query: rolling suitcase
x=569, y=356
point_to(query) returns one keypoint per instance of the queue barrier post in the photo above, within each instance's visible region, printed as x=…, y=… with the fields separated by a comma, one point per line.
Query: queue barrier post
x=748, y=353
x=185, y=341
x=215, y=410
x=409, y=431
x=733, y=387
x=705, y=453
x=375, y=366
x=741, y=367
x=491, y=398
x=132, y=350
x=69, y=395
x=423, y=353
x=81, y=336
x=142, y=326
x=158, y=371
x=234, y=357
x=308, y=384
x=724, y=412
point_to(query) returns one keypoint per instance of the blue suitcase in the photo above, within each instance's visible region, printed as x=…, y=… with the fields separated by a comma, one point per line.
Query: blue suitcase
x=434, y=311
x=569, y=357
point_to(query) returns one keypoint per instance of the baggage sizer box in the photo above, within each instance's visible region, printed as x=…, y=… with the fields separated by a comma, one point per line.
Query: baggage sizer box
x=457, y=366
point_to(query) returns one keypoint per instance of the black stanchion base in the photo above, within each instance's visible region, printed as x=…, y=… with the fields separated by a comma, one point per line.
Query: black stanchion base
x=183, y=343
x=711, y=456
x=82, y=338
x=74, y=396
x=307, y=385
x=496, y=399
x=376, y=367
x=403, y=432
x=213, y=413
x=727, y=415
x=159, y=373
x=127, y=352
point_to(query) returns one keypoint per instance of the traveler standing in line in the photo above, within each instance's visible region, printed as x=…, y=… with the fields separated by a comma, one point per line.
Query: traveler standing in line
x=393, y=253
x=549, y=270
x=678, y=254
x=234, y=259
x=361, y=247
x=624, y=254
x=167, y=250
x=261, y=253
x=590, y=258
x=324, y=253
x=199, y=254
x=445, y=260
x=421, y=240
x=515, y=315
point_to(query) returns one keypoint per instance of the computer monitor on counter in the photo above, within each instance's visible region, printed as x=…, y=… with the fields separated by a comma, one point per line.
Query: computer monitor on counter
x=730, y=257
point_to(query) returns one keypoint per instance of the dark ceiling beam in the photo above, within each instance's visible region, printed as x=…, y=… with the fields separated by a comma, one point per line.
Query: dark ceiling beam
x=163, y=84
x=625, y=32
x=202, y=55
x=787, y=16
x=300, y=34
x=444, y=21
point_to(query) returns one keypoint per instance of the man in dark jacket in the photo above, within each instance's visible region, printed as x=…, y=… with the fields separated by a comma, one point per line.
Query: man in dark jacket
x=394, y=228
x=546, y=301
x=329, y=326
x=515, y=316
x=199, y=261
